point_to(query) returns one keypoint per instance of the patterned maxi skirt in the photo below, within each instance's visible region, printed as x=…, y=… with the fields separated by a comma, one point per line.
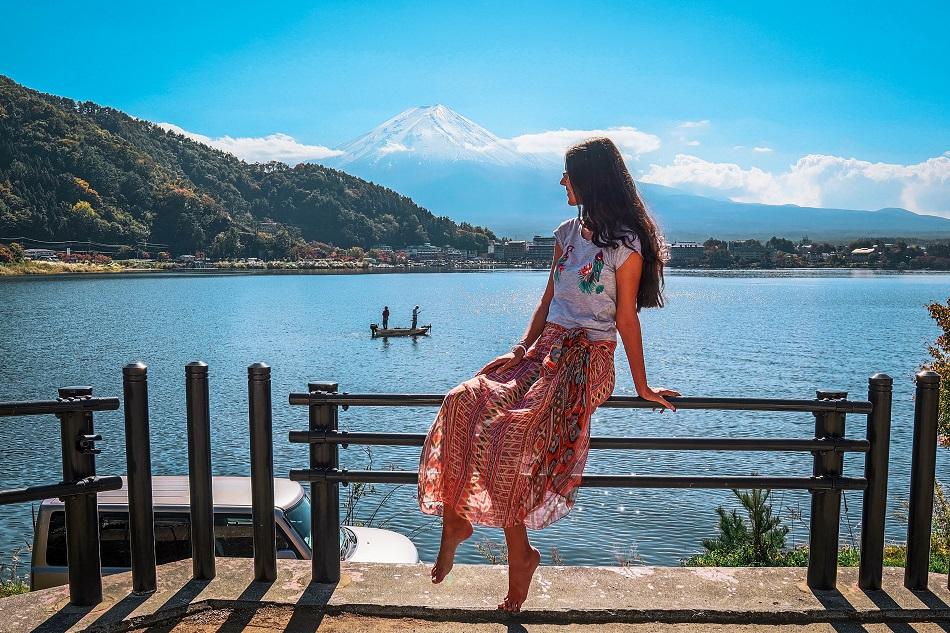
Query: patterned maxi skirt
x=509, y=448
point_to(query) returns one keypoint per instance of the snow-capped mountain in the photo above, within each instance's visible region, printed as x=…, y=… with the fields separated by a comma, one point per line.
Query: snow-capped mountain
x=427, y=134
x=457, y=168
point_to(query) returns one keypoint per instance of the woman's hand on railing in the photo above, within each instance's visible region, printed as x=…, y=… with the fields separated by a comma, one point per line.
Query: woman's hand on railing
x=659, y=395
x=504, y=362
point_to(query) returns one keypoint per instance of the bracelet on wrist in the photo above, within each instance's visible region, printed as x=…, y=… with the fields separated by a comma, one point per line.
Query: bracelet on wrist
x=521, y=346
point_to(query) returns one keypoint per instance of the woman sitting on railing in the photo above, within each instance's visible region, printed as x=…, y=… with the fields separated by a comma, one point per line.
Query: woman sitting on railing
x=508, y=447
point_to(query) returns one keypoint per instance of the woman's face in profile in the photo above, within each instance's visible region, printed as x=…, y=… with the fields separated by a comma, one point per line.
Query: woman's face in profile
x=566, y=182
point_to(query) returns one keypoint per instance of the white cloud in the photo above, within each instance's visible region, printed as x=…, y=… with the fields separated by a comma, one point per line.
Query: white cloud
x=692, y=143
x=817, y=180
x=693, y=124
x=763, y=150
x=262, y=149
x=631, y=141
x=393, y=148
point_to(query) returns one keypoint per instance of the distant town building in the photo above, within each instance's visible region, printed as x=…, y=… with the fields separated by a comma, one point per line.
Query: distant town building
x=541, y=249
x=516, y=251
x=862, y=254
x=685, y=253
x=429, y=253
x=747, y=249
x=424, y=252
x=40, y=254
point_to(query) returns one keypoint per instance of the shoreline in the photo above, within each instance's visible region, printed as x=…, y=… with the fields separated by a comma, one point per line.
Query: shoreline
x=113, y=271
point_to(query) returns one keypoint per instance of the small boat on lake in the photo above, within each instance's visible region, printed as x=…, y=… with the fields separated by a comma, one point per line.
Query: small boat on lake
x=379, y=332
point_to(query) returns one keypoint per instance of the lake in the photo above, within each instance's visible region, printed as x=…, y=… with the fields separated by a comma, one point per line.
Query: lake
x=772, y=334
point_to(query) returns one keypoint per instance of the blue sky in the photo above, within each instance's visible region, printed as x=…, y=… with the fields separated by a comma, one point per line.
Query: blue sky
x=857, y=81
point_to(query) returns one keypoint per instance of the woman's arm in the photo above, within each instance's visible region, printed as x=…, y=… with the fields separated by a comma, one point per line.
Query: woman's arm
x=628, y=324
x=535, y=326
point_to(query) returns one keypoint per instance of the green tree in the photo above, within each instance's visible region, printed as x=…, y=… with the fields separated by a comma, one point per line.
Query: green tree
x=76, y=170
x=226, y=244
x=17, y=251
x=757, y=539
x=780, y=244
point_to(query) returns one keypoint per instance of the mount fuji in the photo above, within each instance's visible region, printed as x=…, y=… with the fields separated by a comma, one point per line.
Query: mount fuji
x=426, y=135
x=455, y=167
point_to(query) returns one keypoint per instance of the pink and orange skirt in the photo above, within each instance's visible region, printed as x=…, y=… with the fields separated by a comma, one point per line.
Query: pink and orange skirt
x=510, y=448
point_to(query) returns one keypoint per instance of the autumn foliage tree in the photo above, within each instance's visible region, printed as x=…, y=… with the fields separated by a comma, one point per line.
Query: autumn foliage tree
x=940, y=352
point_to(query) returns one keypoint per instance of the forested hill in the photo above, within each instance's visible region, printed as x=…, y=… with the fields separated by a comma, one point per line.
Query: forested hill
x=77, y=170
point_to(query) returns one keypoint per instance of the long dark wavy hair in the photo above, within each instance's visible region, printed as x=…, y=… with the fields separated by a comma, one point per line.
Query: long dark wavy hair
x=611, y=208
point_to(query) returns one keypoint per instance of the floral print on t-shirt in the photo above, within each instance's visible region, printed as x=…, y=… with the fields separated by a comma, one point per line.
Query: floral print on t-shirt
x=589, y=275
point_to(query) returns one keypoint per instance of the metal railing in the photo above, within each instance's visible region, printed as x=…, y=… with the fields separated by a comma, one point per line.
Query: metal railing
x=78, y=438
x=826, y=482
x=923, y=471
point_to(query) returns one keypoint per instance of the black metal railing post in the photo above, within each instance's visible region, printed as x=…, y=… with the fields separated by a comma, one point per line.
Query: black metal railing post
x=325, y=495
x=198, y=411
x=874, y=508
x=138, y=456
x=262, y=472
x=826, y=504
x=922, y=478
x=82, y=511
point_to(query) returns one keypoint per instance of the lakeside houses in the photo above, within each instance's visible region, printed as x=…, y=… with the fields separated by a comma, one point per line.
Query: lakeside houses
x=534, y=253
x=541, y=249
x=862, y=255
x=40, y=255
x=685, y=253
x=427, y=253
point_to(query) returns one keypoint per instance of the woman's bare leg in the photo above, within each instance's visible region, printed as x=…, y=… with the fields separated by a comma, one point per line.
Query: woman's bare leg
x=455, y=529
x=523, y=559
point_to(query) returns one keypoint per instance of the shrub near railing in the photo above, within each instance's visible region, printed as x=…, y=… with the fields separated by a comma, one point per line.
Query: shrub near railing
x=12, y=581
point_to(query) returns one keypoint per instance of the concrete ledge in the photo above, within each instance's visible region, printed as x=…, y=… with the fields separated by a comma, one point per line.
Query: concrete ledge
x=560, y=595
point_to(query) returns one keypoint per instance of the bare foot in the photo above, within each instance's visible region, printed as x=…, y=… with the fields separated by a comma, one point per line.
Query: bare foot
x=454, y=531
x=520, y=573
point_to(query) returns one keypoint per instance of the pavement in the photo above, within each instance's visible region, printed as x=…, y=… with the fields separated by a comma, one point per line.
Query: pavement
x=381, y=598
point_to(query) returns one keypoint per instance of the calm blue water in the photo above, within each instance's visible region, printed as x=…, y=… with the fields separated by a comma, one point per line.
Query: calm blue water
x=773, y=335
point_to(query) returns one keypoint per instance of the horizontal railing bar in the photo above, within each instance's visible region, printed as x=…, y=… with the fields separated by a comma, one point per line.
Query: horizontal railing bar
x=53, y=491
x=638, y=443
x=607, y=481
x=614, y=402
x=41, y=407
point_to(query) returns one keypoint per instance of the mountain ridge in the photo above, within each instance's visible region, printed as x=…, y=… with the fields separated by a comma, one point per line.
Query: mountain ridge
x=77, y=170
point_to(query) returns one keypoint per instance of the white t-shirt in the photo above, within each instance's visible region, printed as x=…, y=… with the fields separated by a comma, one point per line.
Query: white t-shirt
x=585, y=285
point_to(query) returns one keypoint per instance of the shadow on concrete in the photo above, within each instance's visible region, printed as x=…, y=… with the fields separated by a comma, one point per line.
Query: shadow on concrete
x=309, y=610
x=933, y=601
x=833, y=600
x=180, y=601
x=120, y=610
x=63, y=619
x=242, y=614
x=882, y=600
x=184, y=596
x=514, y=627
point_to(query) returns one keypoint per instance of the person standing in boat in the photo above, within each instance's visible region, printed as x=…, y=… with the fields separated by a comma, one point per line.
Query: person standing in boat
x=415, y=317
x=385, y=317
x=508, y=447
